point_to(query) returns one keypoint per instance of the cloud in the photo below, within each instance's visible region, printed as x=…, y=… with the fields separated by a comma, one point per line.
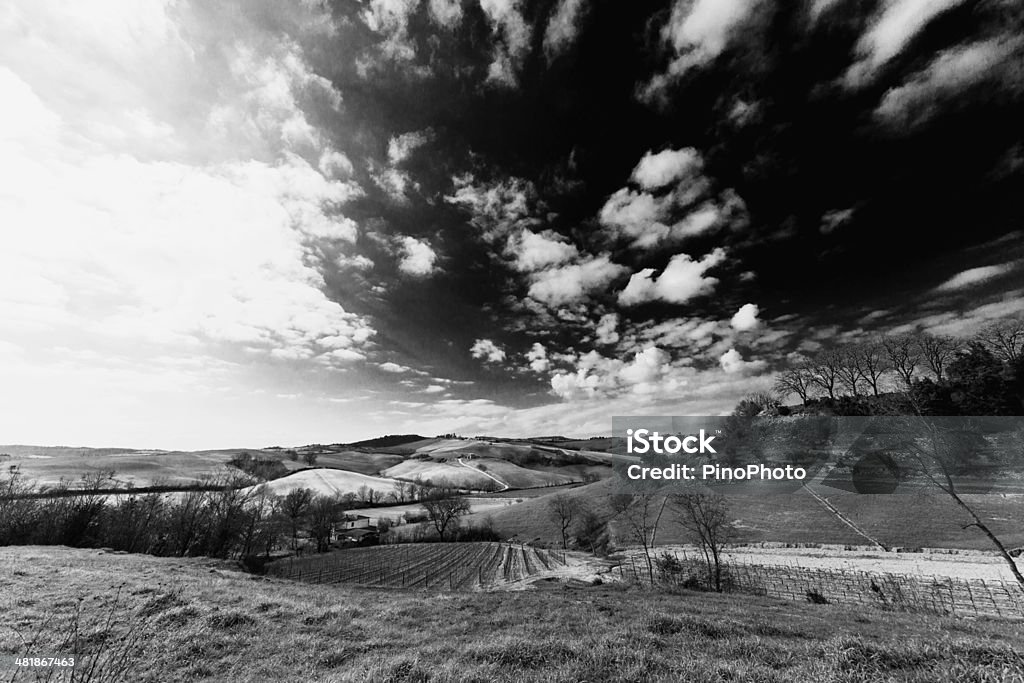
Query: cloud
x=447, y=13
x=646, y=370
x=698, y=31
x=687, y=209
x=658, y=170
x=535, y=251
x=417, y=257
x=948, y=75
x=893, y=27
x=607, y=329
x=393, y=368
x=487, y=350
x=538, y=357
x=497, y=208
x=390, y=18
x=570, y=283
x=401, y=147
x=732, y=363
x=512, y=40
x=745, y=319
x=563, y=27
x=974, y=277
x=682, y=280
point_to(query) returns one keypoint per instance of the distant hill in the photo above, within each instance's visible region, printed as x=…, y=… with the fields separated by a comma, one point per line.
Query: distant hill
x=388, y=440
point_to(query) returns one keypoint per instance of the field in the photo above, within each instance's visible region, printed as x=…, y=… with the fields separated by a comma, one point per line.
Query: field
x=139, y=468
x=324, y=481
x=455, y=566
x=924, y=520
x=395, y=513
x=196, y=620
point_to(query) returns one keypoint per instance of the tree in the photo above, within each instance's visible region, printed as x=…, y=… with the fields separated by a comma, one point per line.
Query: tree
x=294, y=507
x=564, y=510
x=794, y=381
x=705, y=518
x=848, y=370
x=869, y=359
x=323, y=514
x=941, y=451
x=1004, y=339
x=444, y=508
x=309, y=457
x=823, y=371
x=937, y=351
x=592, y=532
x=641, y=513
x=904, y=355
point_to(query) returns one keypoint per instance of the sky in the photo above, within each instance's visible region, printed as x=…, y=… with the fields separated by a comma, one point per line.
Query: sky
x=252, y=222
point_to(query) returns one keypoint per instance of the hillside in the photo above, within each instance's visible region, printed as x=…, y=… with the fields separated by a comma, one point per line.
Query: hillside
x=913, y=521
x=197, y=620
x=330, y=482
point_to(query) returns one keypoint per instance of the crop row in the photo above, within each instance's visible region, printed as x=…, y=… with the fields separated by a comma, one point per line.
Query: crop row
x=422, y=565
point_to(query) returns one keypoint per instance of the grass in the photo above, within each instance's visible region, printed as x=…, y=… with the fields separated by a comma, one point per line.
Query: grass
x=214, y=624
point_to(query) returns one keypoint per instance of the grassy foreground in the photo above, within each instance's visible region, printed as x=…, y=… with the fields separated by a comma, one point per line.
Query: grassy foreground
x=195, y=620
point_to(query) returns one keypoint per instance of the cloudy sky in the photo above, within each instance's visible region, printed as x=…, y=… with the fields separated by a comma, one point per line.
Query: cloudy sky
x=252, y=222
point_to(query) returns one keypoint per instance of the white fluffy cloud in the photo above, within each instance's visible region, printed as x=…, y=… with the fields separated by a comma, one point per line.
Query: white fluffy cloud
x=487, y=350
x=496, y=208
x=447, y=13
x=699, y=30
x=675, y=202
x=745, y=319
x=892, y=28
x=417, y=257
x=570, y=283
x=534, y=251
x=732, y=362
x=682, y=280
x=512, y=40
x=657, y=170
x=607, y=329
x=538, y=357
x=401, y=147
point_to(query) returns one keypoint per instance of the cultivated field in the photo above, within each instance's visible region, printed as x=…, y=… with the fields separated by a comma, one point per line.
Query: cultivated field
x=455, y=566
x=195, y=620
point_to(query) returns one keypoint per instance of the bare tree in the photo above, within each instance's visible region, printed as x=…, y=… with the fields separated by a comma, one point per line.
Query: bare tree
x=938, y=454
x=444, y=508
x=705, y=518
x=870, y=362
x=323, y=514
x=823, y=371
x=564, y=510
x=904, y=355
x=1004, y=339
x=794, y=381
x=640, y=513
x=937, y=351
x=848, y=370
x=295, y=507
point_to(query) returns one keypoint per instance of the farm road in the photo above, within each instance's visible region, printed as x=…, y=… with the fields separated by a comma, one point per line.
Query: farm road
x=505, y=487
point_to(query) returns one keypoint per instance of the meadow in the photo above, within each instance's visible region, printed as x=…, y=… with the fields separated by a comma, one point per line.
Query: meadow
x=198, y=620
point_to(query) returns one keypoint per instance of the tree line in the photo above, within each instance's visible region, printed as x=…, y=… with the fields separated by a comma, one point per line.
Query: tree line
x=225, y=518
x=911, y=373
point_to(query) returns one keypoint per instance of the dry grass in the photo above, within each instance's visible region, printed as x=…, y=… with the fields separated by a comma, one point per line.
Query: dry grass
x=218, y=625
